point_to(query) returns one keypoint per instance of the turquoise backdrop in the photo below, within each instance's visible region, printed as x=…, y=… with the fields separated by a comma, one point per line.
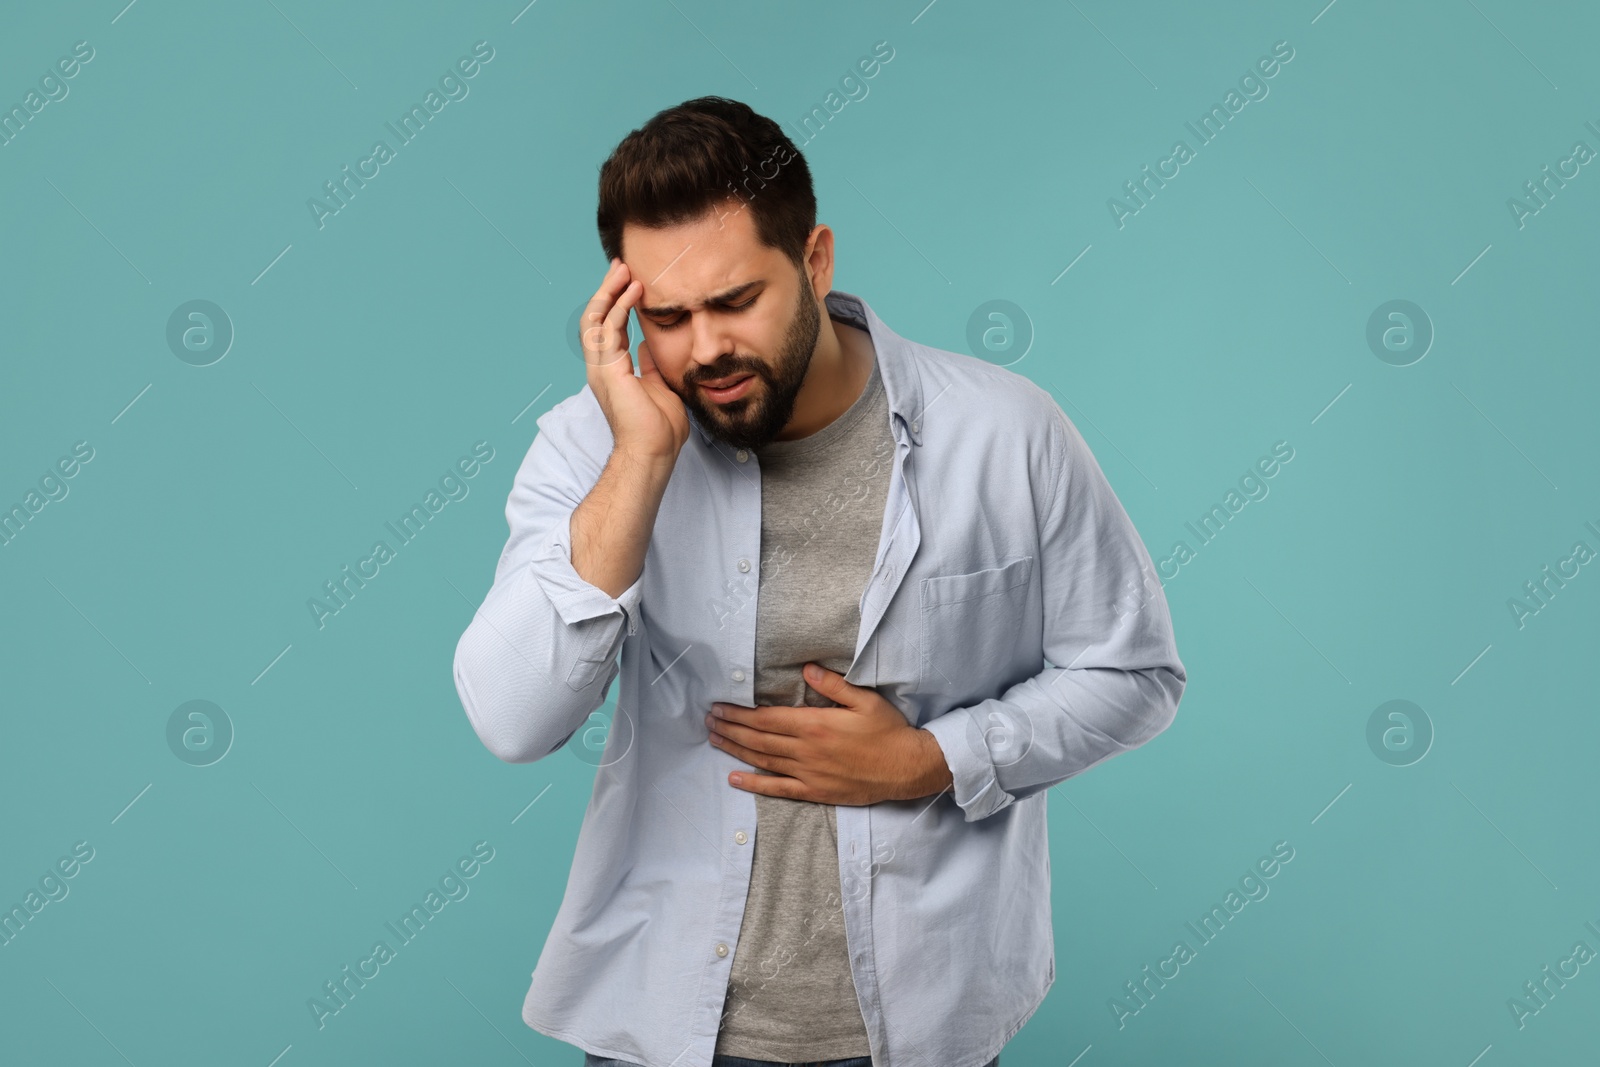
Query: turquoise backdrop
x=1380, y=259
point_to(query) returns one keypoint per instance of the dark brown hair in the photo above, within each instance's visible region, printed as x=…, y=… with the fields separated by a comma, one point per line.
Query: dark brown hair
x=688, y=159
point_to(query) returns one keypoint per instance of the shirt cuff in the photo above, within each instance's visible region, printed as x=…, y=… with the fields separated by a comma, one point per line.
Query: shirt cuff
x=972, y=773
x=574, y=598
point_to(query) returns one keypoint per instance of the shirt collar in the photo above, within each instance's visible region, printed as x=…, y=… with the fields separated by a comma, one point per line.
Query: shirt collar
x=901, y=380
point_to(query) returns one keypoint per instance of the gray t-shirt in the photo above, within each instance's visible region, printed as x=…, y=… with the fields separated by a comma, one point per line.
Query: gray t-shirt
x=791, y=996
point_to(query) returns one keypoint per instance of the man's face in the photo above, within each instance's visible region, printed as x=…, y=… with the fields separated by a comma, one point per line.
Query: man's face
x=719, y=305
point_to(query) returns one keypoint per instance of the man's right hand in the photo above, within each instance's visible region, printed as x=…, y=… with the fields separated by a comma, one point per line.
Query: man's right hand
x=648, y=420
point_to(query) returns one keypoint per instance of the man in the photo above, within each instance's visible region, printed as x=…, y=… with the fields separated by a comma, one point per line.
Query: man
x=872, y=600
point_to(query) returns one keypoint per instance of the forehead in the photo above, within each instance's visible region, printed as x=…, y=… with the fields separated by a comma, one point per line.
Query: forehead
x=682, y=264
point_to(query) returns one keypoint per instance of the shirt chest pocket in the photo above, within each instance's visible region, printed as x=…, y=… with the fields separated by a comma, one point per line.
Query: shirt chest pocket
x=971, y=626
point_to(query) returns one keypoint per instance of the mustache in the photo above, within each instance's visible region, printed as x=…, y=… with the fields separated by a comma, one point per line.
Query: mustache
x=712, y=374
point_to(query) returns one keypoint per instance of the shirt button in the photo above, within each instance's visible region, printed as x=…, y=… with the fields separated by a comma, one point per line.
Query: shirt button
x=722, y=950
x=744, y=565
x=740, y=836
x=738, y=676
x=743, y=455
x=916, y=425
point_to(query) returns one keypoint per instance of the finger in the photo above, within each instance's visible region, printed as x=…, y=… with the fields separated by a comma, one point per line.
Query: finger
x=592, y=334
x=772, y=762
x=607, y=335
x=732, y=711
x=765, y=761
x=772, y=785
x=768, y=718
x=610, y=336
x=612, y=284
x=647, y=363
x=616, y=323
x=729, y=736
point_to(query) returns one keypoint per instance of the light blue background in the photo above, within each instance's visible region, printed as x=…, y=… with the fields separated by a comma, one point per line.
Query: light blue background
x=369, y=355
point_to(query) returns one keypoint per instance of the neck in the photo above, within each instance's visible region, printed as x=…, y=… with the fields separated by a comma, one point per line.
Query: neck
x=838, y=373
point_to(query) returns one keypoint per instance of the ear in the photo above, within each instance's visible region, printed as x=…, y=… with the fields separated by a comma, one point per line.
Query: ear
x=818, y=270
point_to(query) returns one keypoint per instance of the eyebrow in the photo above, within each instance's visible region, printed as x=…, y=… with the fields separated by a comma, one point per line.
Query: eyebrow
x=727, y=296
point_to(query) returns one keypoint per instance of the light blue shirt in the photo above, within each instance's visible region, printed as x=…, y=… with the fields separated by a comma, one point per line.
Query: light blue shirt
x=1012, y=611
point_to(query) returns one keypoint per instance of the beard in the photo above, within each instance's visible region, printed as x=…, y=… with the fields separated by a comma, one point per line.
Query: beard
x=757, y=417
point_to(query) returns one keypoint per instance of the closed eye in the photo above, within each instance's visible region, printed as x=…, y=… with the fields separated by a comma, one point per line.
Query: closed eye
x=675, y=323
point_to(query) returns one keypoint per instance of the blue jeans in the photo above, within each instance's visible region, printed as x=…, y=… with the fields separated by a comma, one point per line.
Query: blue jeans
x=590, y=1060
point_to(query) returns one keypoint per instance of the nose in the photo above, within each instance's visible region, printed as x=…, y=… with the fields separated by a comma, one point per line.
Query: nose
x=708, y=338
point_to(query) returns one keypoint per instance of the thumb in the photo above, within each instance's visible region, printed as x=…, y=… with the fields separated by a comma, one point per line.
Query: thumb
x=647, y=364
x=830, y=684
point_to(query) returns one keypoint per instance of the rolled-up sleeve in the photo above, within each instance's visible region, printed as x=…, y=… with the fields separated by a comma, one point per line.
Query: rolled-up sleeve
x=1113, y=678
x=540, y=652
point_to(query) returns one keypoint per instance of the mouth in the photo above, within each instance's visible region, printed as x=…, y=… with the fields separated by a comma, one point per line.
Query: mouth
x=731, y=390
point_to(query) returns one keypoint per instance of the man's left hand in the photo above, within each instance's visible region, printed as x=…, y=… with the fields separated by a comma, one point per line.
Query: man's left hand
x=858, y=753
